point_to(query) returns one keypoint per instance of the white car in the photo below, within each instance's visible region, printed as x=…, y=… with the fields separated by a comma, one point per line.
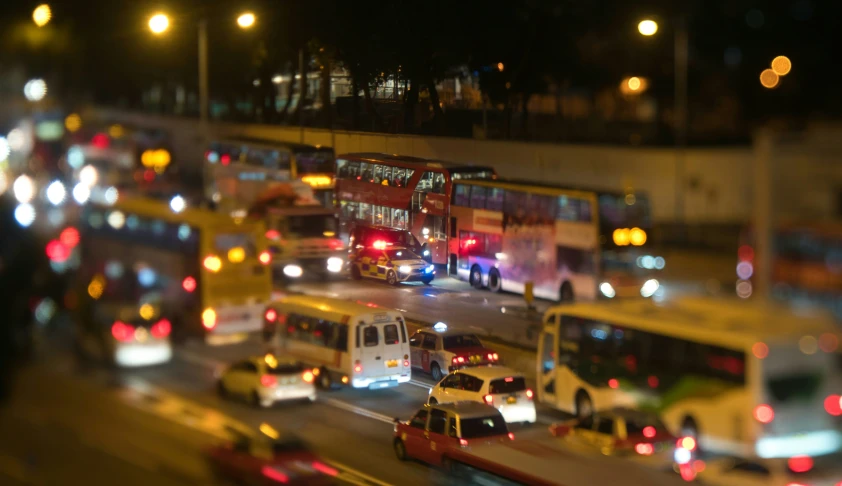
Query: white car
x=502, y=388
x=796, y=471
x=265, y=380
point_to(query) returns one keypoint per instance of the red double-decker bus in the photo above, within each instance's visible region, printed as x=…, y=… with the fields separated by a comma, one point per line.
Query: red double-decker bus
x=401, y=192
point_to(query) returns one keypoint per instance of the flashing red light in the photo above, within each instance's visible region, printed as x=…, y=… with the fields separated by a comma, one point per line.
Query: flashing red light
x=57, y=251
x=122, y=331
x=268, y=380
x=188, y=284
x=529, y=394
x=764, y=414
x=687, y=472
x=614, y=383
x=746, y=253
x=833, y=405
x=644, y=449
x=336, y=244
x=101, y=140
x=800, y=464
x=488, y=399
x=161, y=329
x=459, y=359
x=699, y=465
x=69, y=237
x=463, y=442
x=265, y=258
x=324, y=469
x=225, y=159
x=649, y=431
x=653, y=381
x=272, y=473
x=273, y=235
x=379, y=245
x=511, y=435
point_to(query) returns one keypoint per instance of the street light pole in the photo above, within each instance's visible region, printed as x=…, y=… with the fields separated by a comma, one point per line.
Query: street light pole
x=680, y=117
x=203, y=75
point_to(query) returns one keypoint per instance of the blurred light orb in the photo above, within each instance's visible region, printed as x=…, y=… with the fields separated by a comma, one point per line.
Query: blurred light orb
x=116, y=219
x=781, y=65
x=88, y=175
x=177, y=204
x=808, y=344
x=35, y=89
x=500, y=66
x=647, y=27
x=744, y=289
x=634, y=83
x=24, y=189
x=25, y=214
x=745, y=270
x=16, y=139
x=660, y=263
x=4, y=182
x=81, y=193
x=56, y=193
x=246, y=20
x=55, y=217
x=113, y=269
x=769, y=78
x=5, y=149
x=146, y=277
x=42, y=15
x=73, y=122
x=111, y=195
x=159, y=23
x=75, y=157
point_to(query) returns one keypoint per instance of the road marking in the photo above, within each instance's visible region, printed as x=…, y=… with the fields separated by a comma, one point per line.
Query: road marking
x=197, y=359
x=366, y=479
x=421, y=384
x=357, y=410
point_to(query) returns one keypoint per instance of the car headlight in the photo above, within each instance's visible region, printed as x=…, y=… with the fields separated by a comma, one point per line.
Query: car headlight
x=649, y=288
x=334, y=264
x=430, y=269
x=426, y=252
x=293, y=271
x=607, y=290
x=404, y=269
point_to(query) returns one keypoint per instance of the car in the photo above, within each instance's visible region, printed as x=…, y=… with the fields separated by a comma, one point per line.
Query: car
x=434, y=429
x=796, y=471
x=502, y=388
x=266, y=380
x=268, y=458
x=622, y=432
x=363, y=236
x=438, y=348
x=394, y=264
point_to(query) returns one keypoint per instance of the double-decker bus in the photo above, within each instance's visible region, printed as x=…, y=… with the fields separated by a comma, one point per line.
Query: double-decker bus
x=806, y=265
x=401, y=192
x=744, y=380
x=209, y=271
x=248, y=159
x=569, y=243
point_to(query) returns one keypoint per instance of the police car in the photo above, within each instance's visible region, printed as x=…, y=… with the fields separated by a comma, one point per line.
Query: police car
x=439, y=349
x=394, y=264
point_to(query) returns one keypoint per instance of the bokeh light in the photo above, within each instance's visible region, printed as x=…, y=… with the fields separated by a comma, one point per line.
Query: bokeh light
x=4, y=182
x=246, y=20
x=808, y=344
x=42, y=15
x=111, y=195
x=769, y=78
x=634, y=83
x=81, y=193
x=17, y=140
x=5, y=149
x=24, y=189
x=35, y=89
x=781, y=65
x=25, y=214
x=56, y=193
x=159, y=23
x=647, y=27
x=73, y=122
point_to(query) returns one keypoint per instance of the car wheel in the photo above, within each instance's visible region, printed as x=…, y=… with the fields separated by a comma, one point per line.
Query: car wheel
x=221, y=390
x=254, y=399
x=355, y=273
x=584, y=405
x=427, y=281
x=476, y=277
x=432, y=401
x=495, y=283
x=392, y=278
x=400, y=450
x=435, y=370
x=324, y=380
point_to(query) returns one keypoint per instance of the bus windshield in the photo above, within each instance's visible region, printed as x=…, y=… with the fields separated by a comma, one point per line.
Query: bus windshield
x=311, y=226
x=225, y=242
x=473, y=173
x=310, y=162
x=624, y=211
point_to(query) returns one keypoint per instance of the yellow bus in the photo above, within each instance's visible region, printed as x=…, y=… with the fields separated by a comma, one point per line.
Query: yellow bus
x=209, y=271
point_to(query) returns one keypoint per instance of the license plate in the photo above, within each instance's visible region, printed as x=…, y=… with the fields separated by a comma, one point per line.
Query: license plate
x=475, y=359
x=392, y=363
x=511, y=400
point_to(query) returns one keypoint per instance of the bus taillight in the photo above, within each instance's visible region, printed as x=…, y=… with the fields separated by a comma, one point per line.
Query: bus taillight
x=209, y=318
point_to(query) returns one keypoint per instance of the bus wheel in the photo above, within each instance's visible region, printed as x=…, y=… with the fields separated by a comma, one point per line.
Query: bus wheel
x=355, y=273
x=584, y=405
x=566, y=292
x=436, y=372
x=392, y=278
x=400, y=450
x=495, y=283
x=476, y=277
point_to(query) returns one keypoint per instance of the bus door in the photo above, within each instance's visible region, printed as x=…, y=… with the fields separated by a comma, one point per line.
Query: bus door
x=546, y=366
x=382, y=351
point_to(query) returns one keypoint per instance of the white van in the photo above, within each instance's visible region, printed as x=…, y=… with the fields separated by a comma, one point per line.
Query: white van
x=346, y=343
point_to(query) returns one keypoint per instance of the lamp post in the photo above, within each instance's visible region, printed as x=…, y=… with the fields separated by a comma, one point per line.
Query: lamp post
x=649, y=28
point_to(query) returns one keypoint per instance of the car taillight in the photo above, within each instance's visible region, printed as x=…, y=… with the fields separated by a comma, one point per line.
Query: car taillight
x=212, y=263
x=268, y=380
x=488, y=399
x=494, y=356
x=833, y=405
x=644, y=449
x=649, y=431
x=274, y=474
x=511, y=435
x=463, y=442
x=308, y=376
x=188, y=284
x=764, y=414
x=529, y=394
x=265, y=257
x=800, y=464
x=271, y=315
x=358, y=368
x=122, y=331
x=458, y=359
x=209, y=318
x=325, y=469
x=161, y=329
x=406, y=363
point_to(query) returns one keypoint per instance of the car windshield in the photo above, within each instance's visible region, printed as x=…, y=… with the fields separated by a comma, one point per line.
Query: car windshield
x=402, y=254
x=461, y=341
x=311, y=226
x=474, y=428
x=512, y=384
x=285, y=369
x=635, y=426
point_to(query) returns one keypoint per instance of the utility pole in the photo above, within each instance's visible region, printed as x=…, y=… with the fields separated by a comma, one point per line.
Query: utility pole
x=301, y=81
x=203, y=76
x=681, y=62
x=763, y=210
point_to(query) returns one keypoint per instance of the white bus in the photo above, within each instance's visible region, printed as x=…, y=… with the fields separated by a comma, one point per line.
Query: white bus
x=346, y=343
x=743, y=380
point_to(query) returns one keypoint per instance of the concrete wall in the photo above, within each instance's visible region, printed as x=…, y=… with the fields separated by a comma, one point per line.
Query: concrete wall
x=717, y=182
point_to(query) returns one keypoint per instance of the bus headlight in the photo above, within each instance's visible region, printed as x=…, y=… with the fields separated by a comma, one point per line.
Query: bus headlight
x=334, y=264
x=404, y=269
x=607, y=290
x=293, y=271
x=649, y=288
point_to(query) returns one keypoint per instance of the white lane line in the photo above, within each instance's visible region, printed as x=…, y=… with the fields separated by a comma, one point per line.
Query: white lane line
x=357, y=410
x=421, y=384
x=198, y=359
x=364, y=479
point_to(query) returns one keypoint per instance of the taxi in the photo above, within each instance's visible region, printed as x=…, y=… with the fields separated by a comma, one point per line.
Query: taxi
x=435, y=429
x=266, y=380
x=439, y=349
x=394, y=264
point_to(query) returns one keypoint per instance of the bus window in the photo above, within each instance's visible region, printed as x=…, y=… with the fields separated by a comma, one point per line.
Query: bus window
x=514, y=203
x=387, y=175
x=409, y=174
x=494, y=200
x=342, y=167
x=478, y=197
x=399, y=177
x=461, y=195
x=378, y=173
x=390, y=334
x=438, y=183
x=425, y=183
x=366, y=172
x=341, y=343
x=354, y=170
x=370, y=336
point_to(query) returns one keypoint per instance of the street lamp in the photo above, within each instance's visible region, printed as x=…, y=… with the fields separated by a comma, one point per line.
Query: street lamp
x=159, y=23
x=647, y=27
x=246, y=20
x=42, y=15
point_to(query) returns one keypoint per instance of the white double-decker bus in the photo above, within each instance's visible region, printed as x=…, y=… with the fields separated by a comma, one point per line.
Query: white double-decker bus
x=744, y=380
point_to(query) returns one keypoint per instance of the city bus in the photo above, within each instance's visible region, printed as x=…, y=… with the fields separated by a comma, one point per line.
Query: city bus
x=401, y=192
x=244, y=159
x=744, y=380
x=209, y=271
x=806, y=265
x=347, y=343
x=570, y=243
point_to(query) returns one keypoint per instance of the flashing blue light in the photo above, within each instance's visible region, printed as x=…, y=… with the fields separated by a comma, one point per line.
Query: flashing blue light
x=599, y=334
x=440, y=327
x=430, y=269
x=426, y=252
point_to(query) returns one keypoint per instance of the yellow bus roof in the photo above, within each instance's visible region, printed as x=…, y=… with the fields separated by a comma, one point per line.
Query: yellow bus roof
x=530, y=188
x=333, y=306
x=197, y=217
x=734, y=325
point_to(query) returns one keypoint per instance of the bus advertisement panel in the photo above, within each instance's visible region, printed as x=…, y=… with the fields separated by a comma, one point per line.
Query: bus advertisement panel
x=400, y=192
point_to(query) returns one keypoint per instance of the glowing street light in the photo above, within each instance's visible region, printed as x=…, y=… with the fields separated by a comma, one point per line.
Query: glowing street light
x=647, y=27
x=35, y=89
x=634, y=83
x=781, y=65
x=246, y=20
x=73, y=122
x=42, y=15
x=769, y=78
x=159, y=23
x=500, y=66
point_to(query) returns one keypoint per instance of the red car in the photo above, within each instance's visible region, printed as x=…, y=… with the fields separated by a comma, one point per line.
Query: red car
x=436, y=429
x=438, y=350
x=269, y=459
